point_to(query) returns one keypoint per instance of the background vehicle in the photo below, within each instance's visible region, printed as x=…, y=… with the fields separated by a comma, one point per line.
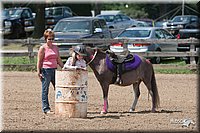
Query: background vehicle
x=54, y=14
x=185, y=34
x=117, y=21
x=145, y=33
x=79, y=28
x=183, y=22
x=17, y=22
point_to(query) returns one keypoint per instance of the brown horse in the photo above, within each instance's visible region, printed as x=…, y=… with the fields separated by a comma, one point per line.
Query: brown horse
x=96, y=59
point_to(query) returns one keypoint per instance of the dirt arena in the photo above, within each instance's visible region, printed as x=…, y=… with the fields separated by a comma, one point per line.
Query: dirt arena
x=178, y=101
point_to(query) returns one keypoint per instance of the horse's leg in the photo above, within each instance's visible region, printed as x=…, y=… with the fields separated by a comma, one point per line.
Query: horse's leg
x=136, y=90
x=152, y=93
x=105, y=88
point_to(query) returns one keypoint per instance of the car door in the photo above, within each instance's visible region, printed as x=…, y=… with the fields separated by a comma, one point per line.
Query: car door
x=96, y=24
x=105, y=30
x=118, y=23
x=126, y=21
x=163, y=46
x=28, y=20
x=171, y=46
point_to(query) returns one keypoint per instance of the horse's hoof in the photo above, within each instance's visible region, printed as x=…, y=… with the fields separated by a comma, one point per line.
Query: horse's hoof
x=153, y=110
x=103, y=112
x=131, y=110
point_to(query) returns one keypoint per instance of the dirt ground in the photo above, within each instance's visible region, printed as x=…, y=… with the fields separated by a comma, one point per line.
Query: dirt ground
x=178, y=100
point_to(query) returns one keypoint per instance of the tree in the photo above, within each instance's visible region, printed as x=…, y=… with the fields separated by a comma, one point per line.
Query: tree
x=39, y=21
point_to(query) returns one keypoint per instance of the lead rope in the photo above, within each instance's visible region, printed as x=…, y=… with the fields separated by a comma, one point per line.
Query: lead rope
x=92, y=57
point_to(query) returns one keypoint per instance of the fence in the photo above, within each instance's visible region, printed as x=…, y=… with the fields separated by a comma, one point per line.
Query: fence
x=31, y=42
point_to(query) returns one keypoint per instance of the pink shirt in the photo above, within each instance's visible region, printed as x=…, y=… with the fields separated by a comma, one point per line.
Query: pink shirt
x=50, y=57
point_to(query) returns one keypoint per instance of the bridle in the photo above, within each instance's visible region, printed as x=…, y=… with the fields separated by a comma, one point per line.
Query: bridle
x=93, y=57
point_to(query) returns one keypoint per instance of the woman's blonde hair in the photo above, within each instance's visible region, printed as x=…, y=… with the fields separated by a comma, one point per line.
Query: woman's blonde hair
x=48, y=33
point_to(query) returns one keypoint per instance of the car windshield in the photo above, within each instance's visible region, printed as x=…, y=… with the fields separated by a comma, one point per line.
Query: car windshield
x=73, y=26
x=135, y=33
x=12, y=12
x=180, y=19
x=108, y=18
x=53, y=12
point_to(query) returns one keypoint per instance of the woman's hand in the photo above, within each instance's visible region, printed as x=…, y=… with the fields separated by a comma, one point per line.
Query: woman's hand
x=40, y=76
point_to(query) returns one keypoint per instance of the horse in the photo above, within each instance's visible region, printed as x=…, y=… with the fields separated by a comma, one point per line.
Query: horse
x=96, y=59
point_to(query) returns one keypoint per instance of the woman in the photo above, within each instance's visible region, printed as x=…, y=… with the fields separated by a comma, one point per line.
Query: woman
x=48, y=59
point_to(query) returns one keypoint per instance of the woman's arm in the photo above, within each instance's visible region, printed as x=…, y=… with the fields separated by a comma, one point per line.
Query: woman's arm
x=59, y=60
x=40, y=61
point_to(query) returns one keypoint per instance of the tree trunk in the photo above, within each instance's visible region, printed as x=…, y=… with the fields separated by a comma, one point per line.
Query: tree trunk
x=39, y=21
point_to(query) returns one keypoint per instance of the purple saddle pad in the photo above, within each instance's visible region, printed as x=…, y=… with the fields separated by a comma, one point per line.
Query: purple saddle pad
x=131, y=65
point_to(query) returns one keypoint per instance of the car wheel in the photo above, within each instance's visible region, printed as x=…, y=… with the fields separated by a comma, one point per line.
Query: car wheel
x=156, y=60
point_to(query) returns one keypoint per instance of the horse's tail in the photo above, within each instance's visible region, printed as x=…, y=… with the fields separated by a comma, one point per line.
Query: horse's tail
x=155, y=90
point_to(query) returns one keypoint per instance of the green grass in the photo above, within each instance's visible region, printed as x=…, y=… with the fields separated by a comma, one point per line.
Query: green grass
x=17, y=60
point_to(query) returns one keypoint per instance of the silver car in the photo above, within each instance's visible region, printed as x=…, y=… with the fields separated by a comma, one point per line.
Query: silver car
x=145, y=33
x=117, y=22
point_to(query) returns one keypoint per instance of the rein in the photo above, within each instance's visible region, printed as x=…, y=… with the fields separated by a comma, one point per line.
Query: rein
x=93, y=57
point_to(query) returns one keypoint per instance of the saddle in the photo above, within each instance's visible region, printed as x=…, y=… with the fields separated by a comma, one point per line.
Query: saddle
x=123, y=57
x=127, y=61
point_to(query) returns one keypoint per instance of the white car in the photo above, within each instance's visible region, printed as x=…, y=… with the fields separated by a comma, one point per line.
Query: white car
x=145, y=33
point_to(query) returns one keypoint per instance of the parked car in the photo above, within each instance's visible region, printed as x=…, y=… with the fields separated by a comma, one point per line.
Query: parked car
x=17, y=22
x=183, y=22
x=149, y=22
x=145, y=33
x=184, y=47
x=54, y=14
x=79, y=28
x=116, y=21
x=160, y=24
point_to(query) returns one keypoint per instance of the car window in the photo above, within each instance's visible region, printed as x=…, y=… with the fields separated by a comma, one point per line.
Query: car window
x=125, y=18
x=26, y=14
x=103, y=23
x=13, y=12
x=135, y=33
x=73, y=26
x=180, y=19
x=159, y=34
x=53, y=12
x=108, y=18
x=96, y=24
x=194, y=19
x=118, y=18
x=166, y=34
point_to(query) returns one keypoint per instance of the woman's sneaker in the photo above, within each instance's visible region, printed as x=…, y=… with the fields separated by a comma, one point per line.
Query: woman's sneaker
x=49, y=112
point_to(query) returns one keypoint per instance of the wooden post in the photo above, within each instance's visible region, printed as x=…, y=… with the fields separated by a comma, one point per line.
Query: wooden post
x=192, y=58
x=30, y=50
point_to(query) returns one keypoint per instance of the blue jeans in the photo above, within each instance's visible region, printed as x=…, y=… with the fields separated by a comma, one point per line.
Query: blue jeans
x=48, y=76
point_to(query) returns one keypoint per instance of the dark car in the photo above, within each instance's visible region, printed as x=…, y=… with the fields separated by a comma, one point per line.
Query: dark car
x=54, y=14
x=17, y=22
x=184, y=47
x=145, y=33
x=79, y=28
x=183, y=22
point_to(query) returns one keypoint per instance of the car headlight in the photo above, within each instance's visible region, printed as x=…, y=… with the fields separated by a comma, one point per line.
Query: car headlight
x=180, y=26
x=7, y=24
x=27, y=23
